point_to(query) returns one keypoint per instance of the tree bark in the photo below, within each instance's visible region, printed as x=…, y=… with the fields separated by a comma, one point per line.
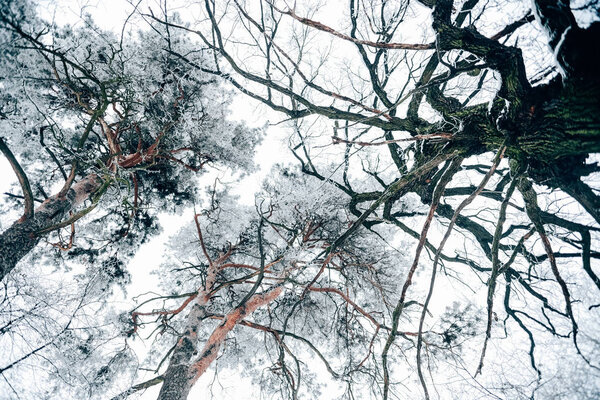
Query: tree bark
x=19, y=239
x=183, y=372
x=562, y=120
x=179, y=378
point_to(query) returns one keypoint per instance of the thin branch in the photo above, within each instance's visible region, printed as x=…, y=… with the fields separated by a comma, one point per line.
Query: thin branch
x=533, y=211
x=433, y=136
x=462, y=205
x=379, y=45
x=438, y=192
x=23, y=181
x=495, y=269
x=138, y=387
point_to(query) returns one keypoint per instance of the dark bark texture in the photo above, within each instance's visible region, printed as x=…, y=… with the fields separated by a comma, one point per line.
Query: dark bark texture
x=178, y=378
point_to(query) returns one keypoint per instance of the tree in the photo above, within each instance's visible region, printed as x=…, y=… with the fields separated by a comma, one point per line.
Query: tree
x=120, y=121
x=262, y=274
x=119, y=131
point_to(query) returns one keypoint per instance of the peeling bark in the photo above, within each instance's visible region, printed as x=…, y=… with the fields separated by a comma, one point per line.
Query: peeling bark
x=182, y=373
x=22, y=236
x=178, y=376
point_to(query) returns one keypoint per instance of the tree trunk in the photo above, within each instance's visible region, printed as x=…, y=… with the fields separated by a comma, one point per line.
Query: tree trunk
x=18, y=240
x=182, y=372
x=563, y=120
x=179, y=376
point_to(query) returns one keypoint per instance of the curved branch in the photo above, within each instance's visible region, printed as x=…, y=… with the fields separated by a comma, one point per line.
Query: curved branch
x=439, y=191
x=23, y=181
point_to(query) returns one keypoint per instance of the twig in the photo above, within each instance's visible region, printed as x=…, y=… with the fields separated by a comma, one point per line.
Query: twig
x=495, y=269
x=441, y=135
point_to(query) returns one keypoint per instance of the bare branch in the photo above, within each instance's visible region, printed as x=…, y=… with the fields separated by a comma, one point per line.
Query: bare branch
x=23, y=181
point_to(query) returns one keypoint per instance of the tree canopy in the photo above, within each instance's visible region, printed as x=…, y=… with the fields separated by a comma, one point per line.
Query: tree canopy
x=434, y=233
